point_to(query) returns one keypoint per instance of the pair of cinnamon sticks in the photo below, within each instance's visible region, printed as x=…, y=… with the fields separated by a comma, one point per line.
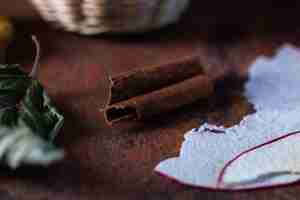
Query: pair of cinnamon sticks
x=146, y=92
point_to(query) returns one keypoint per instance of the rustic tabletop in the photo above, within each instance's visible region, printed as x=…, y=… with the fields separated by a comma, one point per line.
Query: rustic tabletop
x=117, y=163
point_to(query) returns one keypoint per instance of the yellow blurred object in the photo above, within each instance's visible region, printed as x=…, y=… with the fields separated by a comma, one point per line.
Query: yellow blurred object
x=6, y=35
x=6, y=29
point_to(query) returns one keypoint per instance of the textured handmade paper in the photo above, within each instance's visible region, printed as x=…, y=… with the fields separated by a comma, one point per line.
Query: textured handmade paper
x=274, y=90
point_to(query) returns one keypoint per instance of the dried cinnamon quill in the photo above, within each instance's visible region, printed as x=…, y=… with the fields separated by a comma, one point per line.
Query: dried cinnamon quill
x=146, y=92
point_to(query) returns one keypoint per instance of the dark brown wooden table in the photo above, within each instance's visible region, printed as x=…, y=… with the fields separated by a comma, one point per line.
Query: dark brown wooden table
x=117, y=163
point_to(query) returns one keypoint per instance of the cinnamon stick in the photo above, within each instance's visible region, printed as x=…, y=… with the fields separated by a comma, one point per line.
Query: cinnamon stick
x=146, y=92
x=140, y=81
x=163, y=100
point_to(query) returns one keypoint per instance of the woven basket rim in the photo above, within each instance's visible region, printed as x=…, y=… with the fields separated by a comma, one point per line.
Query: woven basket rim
x=78, y=15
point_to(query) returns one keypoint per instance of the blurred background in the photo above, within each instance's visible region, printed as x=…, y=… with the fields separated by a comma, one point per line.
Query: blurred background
x=209, y=13
x=17, y=8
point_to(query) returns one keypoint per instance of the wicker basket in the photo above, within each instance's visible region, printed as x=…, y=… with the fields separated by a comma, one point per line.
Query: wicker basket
x=99, y=16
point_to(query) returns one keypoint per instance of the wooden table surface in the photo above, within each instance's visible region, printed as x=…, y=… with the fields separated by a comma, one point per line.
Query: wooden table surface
x=117, y=163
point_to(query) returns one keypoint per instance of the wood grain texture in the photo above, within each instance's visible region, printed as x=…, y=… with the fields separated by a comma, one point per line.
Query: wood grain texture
x=117, y=163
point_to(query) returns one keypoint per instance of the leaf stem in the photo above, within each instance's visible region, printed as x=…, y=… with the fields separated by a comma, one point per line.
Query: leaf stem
x=34, y=71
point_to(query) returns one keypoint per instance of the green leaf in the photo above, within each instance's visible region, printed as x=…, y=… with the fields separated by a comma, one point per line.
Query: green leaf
x=38, y=112
x=29, y=121
x=9, y=117
x=13, y=84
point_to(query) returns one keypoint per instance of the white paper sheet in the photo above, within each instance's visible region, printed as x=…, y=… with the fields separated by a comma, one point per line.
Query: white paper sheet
x=274, y=90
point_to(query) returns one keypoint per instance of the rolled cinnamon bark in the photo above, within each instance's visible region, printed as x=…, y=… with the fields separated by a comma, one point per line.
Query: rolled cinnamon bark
x=145, y=92
x=159, y=101
x=141, y=81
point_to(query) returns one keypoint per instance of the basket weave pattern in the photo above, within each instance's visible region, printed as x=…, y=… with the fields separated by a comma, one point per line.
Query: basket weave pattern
x=98, y=16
